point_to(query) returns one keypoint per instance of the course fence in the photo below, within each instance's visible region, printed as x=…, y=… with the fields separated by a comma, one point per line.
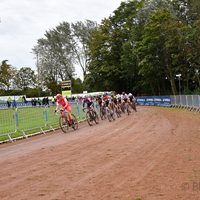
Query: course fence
x=191, y=102
x=26, y=118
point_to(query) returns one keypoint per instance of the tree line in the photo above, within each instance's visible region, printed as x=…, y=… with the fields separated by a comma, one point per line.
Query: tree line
x=140, y=48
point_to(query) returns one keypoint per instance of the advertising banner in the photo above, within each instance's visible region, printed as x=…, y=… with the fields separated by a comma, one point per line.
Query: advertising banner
x=154, y=100
x=66, y=88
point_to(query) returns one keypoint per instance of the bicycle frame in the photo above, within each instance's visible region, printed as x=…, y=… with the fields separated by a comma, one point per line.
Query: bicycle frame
x=65, y=122
x=90, y=116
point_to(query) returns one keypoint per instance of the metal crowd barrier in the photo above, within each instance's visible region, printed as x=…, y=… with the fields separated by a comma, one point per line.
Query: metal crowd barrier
x=31, y=118
x=23, y=119
x=7, y=122
x=190, y=102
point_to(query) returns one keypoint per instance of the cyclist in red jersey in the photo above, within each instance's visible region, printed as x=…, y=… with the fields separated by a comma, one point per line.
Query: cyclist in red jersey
x=65, y=105
x=106, y=102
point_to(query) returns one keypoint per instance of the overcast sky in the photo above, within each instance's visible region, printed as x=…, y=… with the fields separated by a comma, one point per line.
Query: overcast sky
x=23, y=22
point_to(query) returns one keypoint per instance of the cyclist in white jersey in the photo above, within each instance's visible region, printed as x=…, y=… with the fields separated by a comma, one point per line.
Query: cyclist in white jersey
x=125, y=99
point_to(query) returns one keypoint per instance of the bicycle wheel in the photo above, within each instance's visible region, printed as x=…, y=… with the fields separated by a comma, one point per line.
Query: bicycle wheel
x=101, y=113
x=108, y=116
x=113, y=115
x=96, y=118
x=128, y=111
x=89, y=118
x=123, y=108
x=104, y=113
x=134, y=107
x=63, y=124
x=74, y=122
x=117, y=112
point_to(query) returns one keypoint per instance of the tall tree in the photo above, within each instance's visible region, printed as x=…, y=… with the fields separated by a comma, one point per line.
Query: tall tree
x=157, y=47
x=82, y=33
x=7, y=72
x=24, y=79
x=109, y=62
x=54, y=57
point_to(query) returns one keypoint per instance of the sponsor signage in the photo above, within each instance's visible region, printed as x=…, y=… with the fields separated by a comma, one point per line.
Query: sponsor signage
x=66, y=88
x=154, y=100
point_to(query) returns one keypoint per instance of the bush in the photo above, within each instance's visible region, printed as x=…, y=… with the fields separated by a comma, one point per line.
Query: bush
x=187, y=91
x=197, y=90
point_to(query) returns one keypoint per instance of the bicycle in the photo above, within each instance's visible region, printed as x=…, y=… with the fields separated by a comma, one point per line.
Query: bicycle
x=91, y=116
x=110, y=115
x=122, y=107
x=132, y=104
x=102, y=112
x=115, y=109
x=65, y=123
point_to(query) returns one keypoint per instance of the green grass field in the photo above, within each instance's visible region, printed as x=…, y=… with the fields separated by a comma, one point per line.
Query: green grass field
x=29, y=120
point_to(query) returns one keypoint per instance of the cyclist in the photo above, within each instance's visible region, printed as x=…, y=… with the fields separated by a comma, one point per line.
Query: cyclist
x=113, y=101
x=125, y=99
x=98, y=101
x=106, y=102
x=89, y=103
x=132, y=101
x=117, y=101
x=65, y=105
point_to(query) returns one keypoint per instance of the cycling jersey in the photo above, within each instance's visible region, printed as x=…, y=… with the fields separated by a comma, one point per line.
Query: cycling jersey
x=106, y=99
x=124, y=97
x=63, y=102
x=88, y=101
x=99, y=100
x=131, y=98
x=114, y=100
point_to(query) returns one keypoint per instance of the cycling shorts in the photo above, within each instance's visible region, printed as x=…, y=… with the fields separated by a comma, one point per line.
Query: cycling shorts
x=106, y=104
x=90, y=104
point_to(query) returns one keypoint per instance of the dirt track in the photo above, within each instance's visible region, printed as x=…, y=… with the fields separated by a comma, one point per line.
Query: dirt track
x=152, y=154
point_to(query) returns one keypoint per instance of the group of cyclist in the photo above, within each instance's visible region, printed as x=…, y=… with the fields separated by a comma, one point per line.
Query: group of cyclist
x=121, y=102
x=102, y=101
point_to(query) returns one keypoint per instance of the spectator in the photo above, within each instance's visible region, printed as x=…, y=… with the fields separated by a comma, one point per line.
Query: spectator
x=39, y=102
x=8, y=103
x=24, y=99
x=53, y=100
x=32, y=102
x=47, y=101
x=14, y=104
x=43, y=101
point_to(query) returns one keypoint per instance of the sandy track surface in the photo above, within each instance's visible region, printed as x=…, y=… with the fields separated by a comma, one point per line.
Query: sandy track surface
x=152, y=154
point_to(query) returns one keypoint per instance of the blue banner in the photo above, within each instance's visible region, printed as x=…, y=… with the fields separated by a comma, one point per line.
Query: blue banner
x=154, y=101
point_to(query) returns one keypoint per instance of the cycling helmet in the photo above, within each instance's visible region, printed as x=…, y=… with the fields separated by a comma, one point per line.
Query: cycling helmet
x=123, y=93
x=112, y=95
x=58, y=96
x=97, y=96
x=130, y=94
x=104, y=95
